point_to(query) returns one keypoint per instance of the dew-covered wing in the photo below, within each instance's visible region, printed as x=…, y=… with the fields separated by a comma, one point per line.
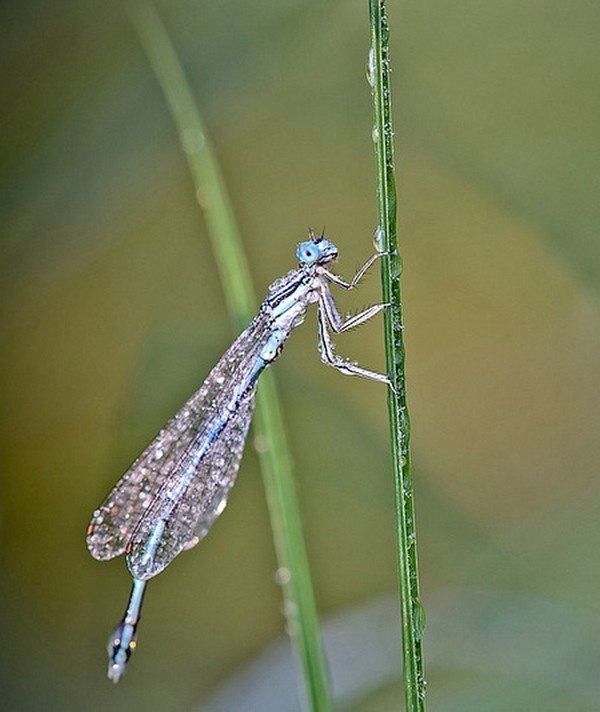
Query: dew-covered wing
x=114, y=522
x=194, y=496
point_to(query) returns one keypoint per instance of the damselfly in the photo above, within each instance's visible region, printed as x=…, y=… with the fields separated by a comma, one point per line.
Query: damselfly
x=170, y=497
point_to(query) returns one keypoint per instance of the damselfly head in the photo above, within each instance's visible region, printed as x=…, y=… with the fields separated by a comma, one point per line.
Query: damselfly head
x=317, y=250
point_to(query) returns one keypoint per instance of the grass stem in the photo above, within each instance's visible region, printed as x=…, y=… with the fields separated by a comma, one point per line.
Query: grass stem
x=294, y=573
x=412, y=615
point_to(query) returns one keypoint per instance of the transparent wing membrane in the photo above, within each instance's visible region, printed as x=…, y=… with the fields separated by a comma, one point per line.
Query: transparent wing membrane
x=132, y=499
x=193, y=497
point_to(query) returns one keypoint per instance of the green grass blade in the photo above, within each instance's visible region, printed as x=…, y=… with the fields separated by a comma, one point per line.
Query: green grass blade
x=412, y=617
x=300, y=607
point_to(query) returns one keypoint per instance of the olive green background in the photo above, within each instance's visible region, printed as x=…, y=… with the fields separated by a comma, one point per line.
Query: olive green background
x=112, y=314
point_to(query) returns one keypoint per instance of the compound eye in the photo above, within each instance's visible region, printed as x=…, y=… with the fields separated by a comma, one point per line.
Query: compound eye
x=308, y=252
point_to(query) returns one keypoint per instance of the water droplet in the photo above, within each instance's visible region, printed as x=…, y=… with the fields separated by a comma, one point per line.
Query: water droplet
x=419, y=618
x=292, y=628
x=290, y=611
x=422, y=684
x=371, y=67
x=221, y=503
x=193, y=140
x=375, y=134
x=282, y=576
x=261, y=444
x=379, y=239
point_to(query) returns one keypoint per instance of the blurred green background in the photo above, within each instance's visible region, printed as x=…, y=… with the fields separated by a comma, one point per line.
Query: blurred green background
x=112, y=314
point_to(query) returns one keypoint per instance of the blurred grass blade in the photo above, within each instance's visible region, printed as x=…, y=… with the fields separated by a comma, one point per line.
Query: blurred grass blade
x=276, y=466
x=411, y=610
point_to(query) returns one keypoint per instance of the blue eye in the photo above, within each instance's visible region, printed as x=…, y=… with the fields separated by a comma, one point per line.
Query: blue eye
x=308, y=252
